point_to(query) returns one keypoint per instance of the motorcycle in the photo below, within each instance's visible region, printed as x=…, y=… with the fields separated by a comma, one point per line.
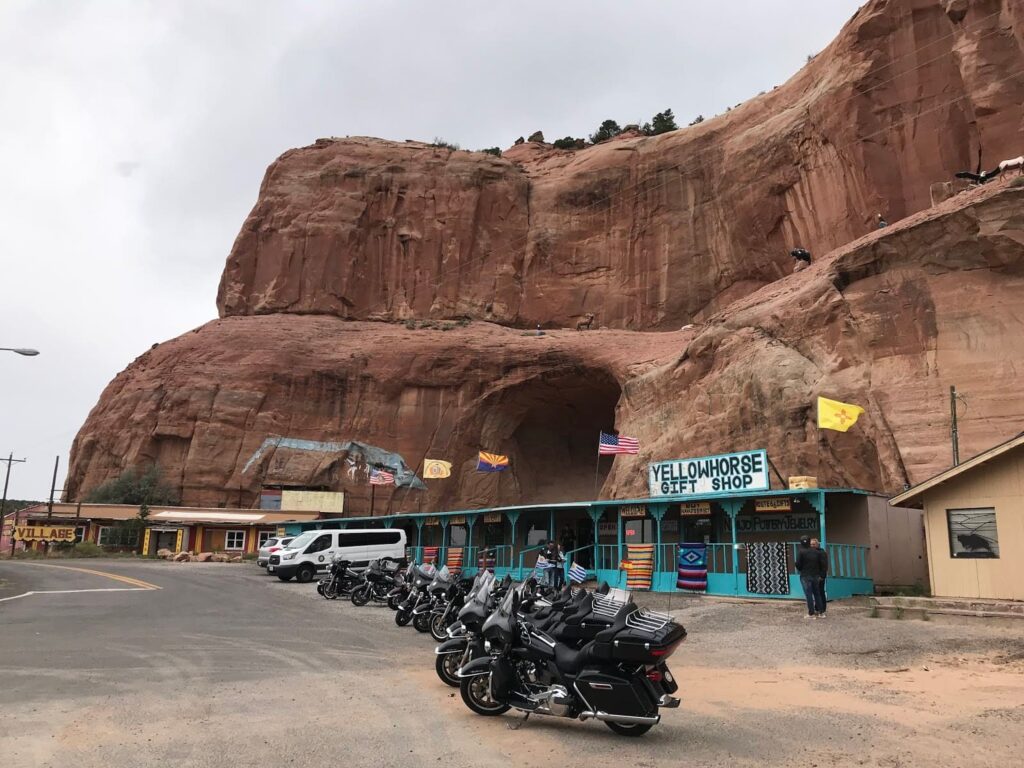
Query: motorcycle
x=423, y=575
x=378, y=579
x=465, y=642
x=436, y=590
x=339, y=580
x=400, y=591
x=620, y=677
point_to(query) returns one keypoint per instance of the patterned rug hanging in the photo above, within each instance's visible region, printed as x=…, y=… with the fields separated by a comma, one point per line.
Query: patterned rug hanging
x=693, y=567
x=487, y=560
x=767, y=568
x=454, y=560
x=641, y=566
x=430, y=554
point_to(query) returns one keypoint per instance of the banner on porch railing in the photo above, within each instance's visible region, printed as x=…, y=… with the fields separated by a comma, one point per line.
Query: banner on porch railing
x=693, y=567
x=744, y=471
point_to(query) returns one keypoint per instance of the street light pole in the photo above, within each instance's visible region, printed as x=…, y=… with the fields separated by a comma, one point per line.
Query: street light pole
x=20, y=351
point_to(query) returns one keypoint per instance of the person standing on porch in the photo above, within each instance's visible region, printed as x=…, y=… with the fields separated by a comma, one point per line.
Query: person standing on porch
x=812, y=565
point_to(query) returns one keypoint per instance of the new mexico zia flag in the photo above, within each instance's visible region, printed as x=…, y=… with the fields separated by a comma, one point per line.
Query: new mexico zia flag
x=833, y=414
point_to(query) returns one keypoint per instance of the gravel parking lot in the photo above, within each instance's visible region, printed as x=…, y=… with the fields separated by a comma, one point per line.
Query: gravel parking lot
x=224, y=665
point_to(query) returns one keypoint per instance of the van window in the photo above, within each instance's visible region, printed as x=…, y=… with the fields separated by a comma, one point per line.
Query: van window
x=370, y=538
x=321, y=543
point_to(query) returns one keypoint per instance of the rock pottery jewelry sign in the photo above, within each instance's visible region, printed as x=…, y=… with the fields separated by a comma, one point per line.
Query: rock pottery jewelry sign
x=44, y=533
x=772, y=505
x=745, y=471
x=776, y=523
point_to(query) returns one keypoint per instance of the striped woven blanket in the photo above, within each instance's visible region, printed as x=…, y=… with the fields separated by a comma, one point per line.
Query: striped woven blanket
x=430, y=554
x=693, y=567
x=641, y=566
x=454, y=560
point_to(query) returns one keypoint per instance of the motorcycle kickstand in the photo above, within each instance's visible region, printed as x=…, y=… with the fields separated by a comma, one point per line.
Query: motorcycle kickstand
x=516, y=725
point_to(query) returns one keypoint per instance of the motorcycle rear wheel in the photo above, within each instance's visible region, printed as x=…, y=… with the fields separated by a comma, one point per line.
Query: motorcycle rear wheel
x=402, y=617
x=447, y=665
x=476, y=694
x=361, y=595
x=394, y=601
x=639, y=729
x=439, y=628
x=421, y=622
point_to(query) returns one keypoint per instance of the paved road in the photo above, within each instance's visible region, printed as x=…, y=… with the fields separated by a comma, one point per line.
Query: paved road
x=218, y=665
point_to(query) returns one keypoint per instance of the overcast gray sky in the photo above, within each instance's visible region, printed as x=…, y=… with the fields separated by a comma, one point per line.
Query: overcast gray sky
x=134, y=136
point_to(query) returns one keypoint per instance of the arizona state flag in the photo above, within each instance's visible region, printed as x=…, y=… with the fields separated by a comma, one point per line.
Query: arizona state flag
x=833, y=414
x=436, y=469
x=491, y=462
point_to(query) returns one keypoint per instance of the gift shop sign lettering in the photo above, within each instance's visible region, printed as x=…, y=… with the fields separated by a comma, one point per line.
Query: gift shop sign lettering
x=745, y=471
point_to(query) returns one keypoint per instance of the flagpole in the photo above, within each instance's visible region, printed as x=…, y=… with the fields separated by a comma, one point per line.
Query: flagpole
x=597, y=466
x=373, y=492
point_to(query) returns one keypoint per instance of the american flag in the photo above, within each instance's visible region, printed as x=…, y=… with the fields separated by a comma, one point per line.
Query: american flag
x=617, y=444
x=380, y=477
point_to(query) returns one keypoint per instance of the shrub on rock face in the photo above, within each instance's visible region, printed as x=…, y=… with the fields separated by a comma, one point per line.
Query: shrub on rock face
x=568, y=143
x=537, y=136
x=134, y=487
x=696, y=120
x=520, y=140
x=439, y=142
x=663, y=122
x=607, y=130
x=496, y=151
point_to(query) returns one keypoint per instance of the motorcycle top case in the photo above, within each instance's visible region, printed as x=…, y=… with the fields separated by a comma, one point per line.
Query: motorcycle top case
x=639, y=646
x=615, y=695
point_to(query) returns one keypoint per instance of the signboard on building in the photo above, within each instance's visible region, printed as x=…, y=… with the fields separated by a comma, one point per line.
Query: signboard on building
x=313, y=501
x=457, y=520
x=492, y=517
x=431, y=521
x=776, y=523
x=743, y=472
x=695, y=509
x=45, y=533
x=633, y=510
x=772, y=505
x=607, y=529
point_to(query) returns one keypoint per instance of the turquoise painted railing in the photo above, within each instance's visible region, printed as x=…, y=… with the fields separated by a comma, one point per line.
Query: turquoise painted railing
x=573, y=555
x=502, y=554
x=719, y=558
x=847, y=560
x=523, y=552
x=607, y=557
x=414, y=554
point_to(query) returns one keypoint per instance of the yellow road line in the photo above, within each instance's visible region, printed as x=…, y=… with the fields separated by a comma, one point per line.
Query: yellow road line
x=105, y=574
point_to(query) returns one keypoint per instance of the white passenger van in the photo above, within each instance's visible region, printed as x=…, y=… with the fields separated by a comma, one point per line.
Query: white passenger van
x=311, y=552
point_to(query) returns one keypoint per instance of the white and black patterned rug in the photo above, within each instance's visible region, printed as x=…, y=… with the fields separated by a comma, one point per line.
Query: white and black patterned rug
x=767, y=568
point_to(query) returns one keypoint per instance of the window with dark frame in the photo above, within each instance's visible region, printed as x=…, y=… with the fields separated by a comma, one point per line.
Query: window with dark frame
x=972, y=533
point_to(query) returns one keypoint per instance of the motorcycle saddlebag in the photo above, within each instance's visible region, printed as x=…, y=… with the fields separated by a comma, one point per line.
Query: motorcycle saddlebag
x=502, y=678
x=615, y=695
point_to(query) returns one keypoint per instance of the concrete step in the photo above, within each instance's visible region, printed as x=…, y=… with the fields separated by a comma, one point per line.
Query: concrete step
x=898, y=612
x=997, y=607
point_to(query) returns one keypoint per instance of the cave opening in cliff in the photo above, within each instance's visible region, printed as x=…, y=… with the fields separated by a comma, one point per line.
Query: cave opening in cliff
x=552, y=426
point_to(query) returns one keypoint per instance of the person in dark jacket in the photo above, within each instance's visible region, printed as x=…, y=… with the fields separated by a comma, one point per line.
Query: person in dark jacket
x=812, y=565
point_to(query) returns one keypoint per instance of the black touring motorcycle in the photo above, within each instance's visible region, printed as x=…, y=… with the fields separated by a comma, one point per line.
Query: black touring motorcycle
x=379, y=578
x=340, y=580
x=619, y=677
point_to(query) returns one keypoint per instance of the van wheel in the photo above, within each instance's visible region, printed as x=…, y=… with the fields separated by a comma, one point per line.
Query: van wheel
x=305, y=573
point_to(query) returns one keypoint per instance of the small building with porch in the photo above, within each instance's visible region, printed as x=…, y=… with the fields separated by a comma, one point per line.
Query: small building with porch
x=116, y=527
x=974, y=524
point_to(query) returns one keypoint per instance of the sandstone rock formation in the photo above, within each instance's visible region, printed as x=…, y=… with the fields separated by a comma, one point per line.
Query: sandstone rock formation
x=646, y=232
x=692, y=228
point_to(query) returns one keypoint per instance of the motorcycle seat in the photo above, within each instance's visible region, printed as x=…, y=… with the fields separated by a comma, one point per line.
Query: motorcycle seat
x=570, y=661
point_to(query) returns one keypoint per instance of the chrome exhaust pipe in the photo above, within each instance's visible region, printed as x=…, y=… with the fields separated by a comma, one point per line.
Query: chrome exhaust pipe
x=669, y=702
x=622, y=719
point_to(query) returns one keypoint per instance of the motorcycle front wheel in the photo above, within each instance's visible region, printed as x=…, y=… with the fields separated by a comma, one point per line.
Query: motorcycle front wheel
x=394, y=601
x=439, y=628
x=421, y=621
x=447, y=666
x=361, y=595
x=476, y=694
x=402, y=617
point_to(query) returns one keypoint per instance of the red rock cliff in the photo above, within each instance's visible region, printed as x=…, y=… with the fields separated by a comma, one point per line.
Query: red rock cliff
x=645, y=232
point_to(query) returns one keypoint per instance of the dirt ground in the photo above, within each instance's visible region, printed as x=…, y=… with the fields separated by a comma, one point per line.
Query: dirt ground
x=223, y=665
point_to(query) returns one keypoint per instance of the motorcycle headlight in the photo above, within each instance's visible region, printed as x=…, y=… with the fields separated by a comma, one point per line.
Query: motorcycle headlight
x=487, y=645
x=289, y=555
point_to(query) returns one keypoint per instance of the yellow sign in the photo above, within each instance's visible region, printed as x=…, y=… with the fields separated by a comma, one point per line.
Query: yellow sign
x=145, y=543
x=695, y=508
x=633, y=511
x=492, y=517
x=772, y=505
x=177, y=540
x=313, y=501
x=281, y=531
x=431, y=521
x=457, y=520
x=436, y=469
x=44, y=533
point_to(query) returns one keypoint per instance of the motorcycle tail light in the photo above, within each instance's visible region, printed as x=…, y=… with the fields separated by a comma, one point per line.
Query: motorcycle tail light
x=654, y=675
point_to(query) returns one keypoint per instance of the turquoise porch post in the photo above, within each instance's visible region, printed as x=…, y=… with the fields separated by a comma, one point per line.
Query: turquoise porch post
x=442, y=553
x=468, y=551
x=732, y=508
x=419, y=533
x=513, y=518
x=595, y=514
x=657, y=512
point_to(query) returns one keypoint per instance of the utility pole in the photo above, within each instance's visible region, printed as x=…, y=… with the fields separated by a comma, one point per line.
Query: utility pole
x=952, y=426
x=53, y=487
x=3, y=505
